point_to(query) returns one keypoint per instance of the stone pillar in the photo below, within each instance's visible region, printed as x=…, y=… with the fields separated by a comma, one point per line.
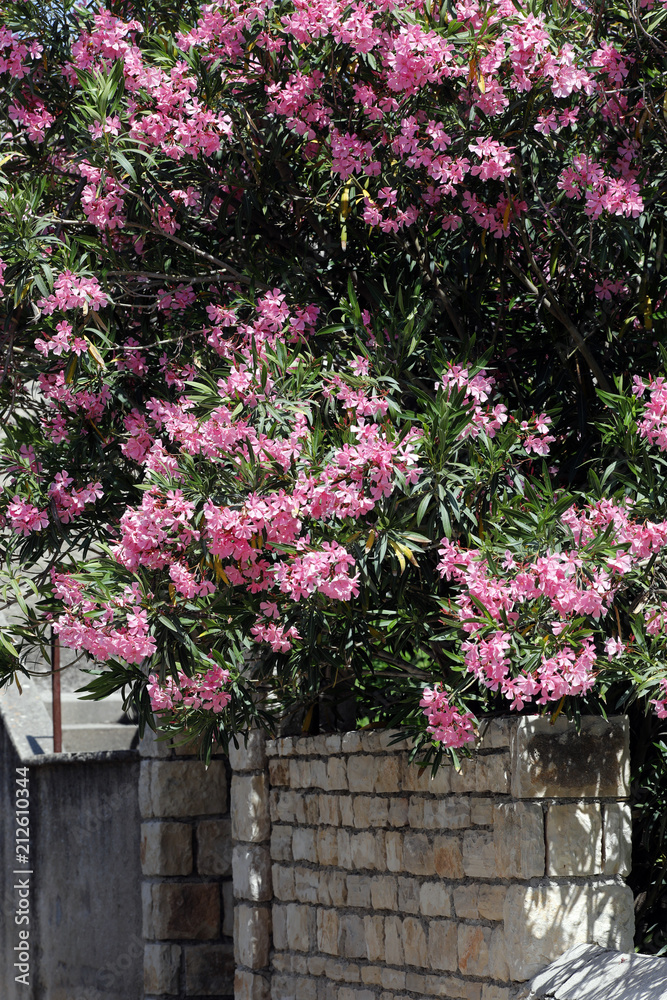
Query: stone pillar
x=251, y=868
x=186, y=865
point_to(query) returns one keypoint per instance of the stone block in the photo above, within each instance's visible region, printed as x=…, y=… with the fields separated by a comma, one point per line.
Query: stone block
x=447, y=857
x=281, y=843
x=416, y=812
x=327, y=931
x=184, y=910
x=374, y=938
x=251, y=986
x=327, y=846
x=333, y=888
x=384, y=892
x=481, y=812
x=452, y=813
x=359, y=890
x=466, y=901
x=174, y=788
x=300, y=926
x=367, y=850
x=283, y=882
x=491, y=901
x=495, y=733
x=479, y=855
x=166, y=849
x=492, y=992
x=252, y=935
x=452, y=987
x=434, y=900
x=543, y=921
x=493, y=773
x=408, y=895
x=318, y=774
x=278, y=772
x=389, y=774
x=393, y=941
x=306, y=885
x=518, y=837
x=393, y=979
x=420, y=779
x=394, y=847
x=370, y=811
x=279, y=926
x=329, y=810
x=152, y=745
x=343, y=847
x=332, y=743
x=351, y=941
x=228, y=909
x=162, y=963
x=282, y=805
x=214, y=846
x=209, y=970
x=418, y=855
x=498, y=968
x=250, y=754
x=473, y=944
x=346, y=805
x=250, y=808
x=316, y=965
x=574, y=839
x=351, y=743
x=464, y=778
x=442, y=945
x=361, y=773
x=617, y=845
x=398, y=811
x=304, y=845
x=251, y=870
x=415, y=946
x=553, y=761
x=337, y=774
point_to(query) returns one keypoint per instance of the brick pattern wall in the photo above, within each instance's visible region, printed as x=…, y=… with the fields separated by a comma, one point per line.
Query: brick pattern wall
x=186, y=862
x=358, y=878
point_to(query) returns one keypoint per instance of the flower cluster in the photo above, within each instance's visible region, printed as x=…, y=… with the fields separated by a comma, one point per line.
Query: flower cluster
x=446, y=724
x=202, y=690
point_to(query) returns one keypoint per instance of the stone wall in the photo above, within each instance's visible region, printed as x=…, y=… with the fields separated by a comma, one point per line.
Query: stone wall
x=186, y=863
x=357, y=877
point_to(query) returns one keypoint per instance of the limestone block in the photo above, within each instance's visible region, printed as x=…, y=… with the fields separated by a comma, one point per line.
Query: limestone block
x=370, y=811
x=574, y=839
x=493, y=992
x=452, y=987
x=361, y=773
x=481, y=812
x=398, y=811
x=251, y=986
x=318, y=774
x=393, y=979
x=408, y=895
x=181, y=910
x=384, y=892
x=304, y=844
x=493, y=773
x=389, y=774
x=278, y=771
x=250, y=754
x=214, y=846
x=498, y=968
x=209, y=969
x=434, y=900
x=351, y=743
x=418, y=855
x=316, y=964
x=518, y=837
x=250, y=808
x=543, y=921
x=329, y=810
x=282, y=805
x=327, y=846
x=351, y=942
x=479, y=856
x=301, y=927
x=166, y=849
x=416, y=812
x=252, y=935
x=554, y=761
x=336, y=970
x=495, y=733
x=418, y=779
x=442, y=945
x=447, y=857
x=473, y=944
x=374, y=938
x=359, y=890
x=227, y=909
x=491, y=900
x=337, y=774
x=161, y=968
x=393, y=941
x=306, y=885
x=279, y=926
x=281, y=843
x=333, y=888
x=332, y=743
x=452, y=813
x=464, y=778
x=299, y=772
x=346, y=805
x=151, y=745
x=182, y=788
x=251, y=871
x=367, y=850
x=343, y=847
x=466, y=901
x=394, y=847
x=617, y=847
x=282, y=986
x=415, y=945
x=283, y=882
x=414, y=981
x=327, y=931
